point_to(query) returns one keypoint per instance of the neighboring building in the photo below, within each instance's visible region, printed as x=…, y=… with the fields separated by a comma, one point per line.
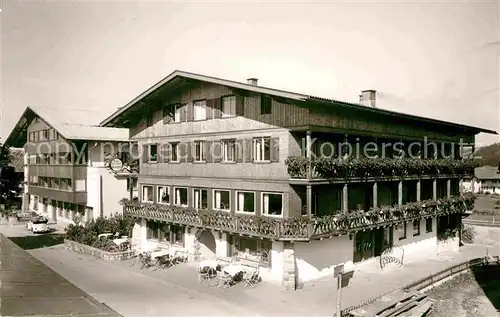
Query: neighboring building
x=225, y=170
x=65, y=164
x=486, y=180
x=17, y=162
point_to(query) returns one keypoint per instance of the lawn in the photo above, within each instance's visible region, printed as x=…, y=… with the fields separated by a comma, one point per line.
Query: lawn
x=484, y=208
x=474, y=294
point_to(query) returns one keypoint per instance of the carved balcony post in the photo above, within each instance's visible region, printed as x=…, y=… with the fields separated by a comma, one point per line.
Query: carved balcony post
x=308, y=154
x=434, y=189
x=375, y=195
x=400, y=193
x=448, y=188
x=309, y=201
x=345, y=198
x=419, y=190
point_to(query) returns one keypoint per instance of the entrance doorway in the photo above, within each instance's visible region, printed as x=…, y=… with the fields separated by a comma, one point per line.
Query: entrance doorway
x=207, y=244
x=371, y=243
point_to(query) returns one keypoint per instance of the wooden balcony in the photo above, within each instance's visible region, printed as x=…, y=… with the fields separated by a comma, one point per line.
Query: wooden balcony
x=302, y=169
x=58, y=170
x=59, y=195
x=301, y=228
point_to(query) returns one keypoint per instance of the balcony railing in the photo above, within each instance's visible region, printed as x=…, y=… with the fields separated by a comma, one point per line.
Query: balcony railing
x=301, y=228
x=338, y=168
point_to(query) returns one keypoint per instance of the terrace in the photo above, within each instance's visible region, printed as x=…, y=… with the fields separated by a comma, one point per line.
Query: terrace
x=300, y=228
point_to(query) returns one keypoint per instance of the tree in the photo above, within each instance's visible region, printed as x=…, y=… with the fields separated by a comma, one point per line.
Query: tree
x=10, y=181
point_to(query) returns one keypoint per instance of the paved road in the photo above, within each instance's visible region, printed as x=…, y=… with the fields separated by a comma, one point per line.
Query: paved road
x=28, y=287
x=134, y=294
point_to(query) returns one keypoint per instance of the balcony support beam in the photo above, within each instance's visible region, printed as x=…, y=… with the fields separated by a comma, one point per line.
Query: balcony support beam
x=419, y=190
x=400, y=193
x=345, y=198
x=448, y=188
x=309, y=201
x=434, y=189
x=375, y=195
x=461, y=186
x=309, y=154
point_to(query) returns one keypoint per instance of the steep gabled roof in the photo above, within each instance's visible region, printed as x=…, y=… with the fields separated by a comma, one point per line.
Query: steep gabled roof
x=72, y=124
x=279, y=93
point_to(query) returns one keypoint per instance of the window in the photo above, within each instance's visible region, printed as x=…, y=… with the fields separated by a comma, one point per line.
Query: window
x=228, y=150
x=401, y=230
x=45, y=134
x=416, y=228
x=200, y=199
x=266, y=104
x=174, y=234
x=163, y=196
x=245, y=202
x=69, y=184
x=56, y=183
x=199, y=153
x=262, y=149
x=51, y=134
x=177, y=112
x=174, y=154
x=147, y=193
x=222, y=199
x=153, y=152
x=229, y=106
x=253, y=249
x=149, y=120
x=200, y=110
x=153, y=229
x=181, y=197
x=272, y=204
x=80, y=185
x=428, y=225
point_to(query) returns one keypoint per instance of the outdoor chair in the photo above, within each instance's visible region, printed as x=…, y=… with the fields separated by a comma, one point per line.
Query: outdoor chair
x=251, y=277
x=145, y=259
x=225, y=280
x=164, y=262
x=206, y=273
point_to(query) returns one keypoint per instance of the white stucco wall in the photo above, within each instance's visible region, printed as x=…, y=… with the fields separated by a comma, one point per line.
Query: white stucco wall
x=318, y=258
x=104, y=189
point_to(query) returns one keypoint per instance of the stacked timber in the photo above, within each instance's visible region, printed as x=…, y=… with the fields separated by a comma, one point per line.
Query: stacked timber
x=397, y=303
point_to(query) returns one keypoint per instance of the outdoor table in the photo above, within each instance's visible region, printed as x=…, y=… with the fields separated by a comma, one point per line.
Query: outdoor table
x=160, y=253
x=234, y=269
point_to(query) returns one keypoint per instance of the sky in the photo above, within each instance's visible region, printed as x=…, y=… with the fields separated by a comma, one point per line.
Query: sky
x=434, y=59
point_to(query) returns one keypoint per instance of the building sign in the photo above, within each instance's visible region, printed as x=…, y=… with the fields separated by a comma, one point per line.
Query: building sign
x=116, y=165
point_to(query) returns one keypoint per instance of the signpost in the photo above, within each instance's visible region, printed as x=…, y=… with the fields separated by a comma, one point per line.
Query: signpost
x=343, y=278
x=116, y=165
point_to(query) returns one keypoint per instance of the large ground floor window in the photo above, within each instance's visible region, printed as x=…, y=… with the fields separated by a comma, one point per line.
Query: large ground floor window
x=164, y=232
x=251, y=249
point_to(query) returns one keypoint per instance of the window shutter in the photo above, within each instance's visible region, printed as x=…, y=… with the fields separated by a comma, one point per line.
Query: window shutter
x=216, y=151
x=207, y=147
x=189, y=111
x=183, y=152
x=240, y=105
x=164, y=152
x=145, y=153
x=210, y=108
x=217, y=108
x=275, y=149
x=239, y=150
x=248, y=150
x=189, y=151
x=183, y=113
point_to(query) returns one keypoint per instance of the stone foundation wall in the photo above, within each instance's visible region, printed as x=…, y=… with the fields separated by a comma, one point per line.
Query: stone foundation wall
x=97, y=253
x=289, y=267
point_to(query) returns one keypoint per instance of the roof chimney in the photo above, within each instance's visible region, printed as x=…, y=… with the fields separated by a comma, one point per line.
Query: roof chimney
x=368, y=98
x=252, y=81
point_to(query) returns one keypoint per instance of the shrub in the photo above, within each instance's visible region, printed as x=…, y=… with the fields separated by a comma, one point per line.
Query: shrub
x=88, y=233
x=468, y=234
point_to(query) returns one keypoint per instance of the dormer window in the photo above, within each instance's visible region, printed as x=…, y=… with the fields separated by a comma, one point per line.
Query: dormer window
x=149, y=120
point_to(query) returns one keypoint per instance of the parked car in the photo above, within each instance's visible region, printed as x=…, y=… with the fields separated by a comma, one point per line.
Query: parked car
x=38, y=224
